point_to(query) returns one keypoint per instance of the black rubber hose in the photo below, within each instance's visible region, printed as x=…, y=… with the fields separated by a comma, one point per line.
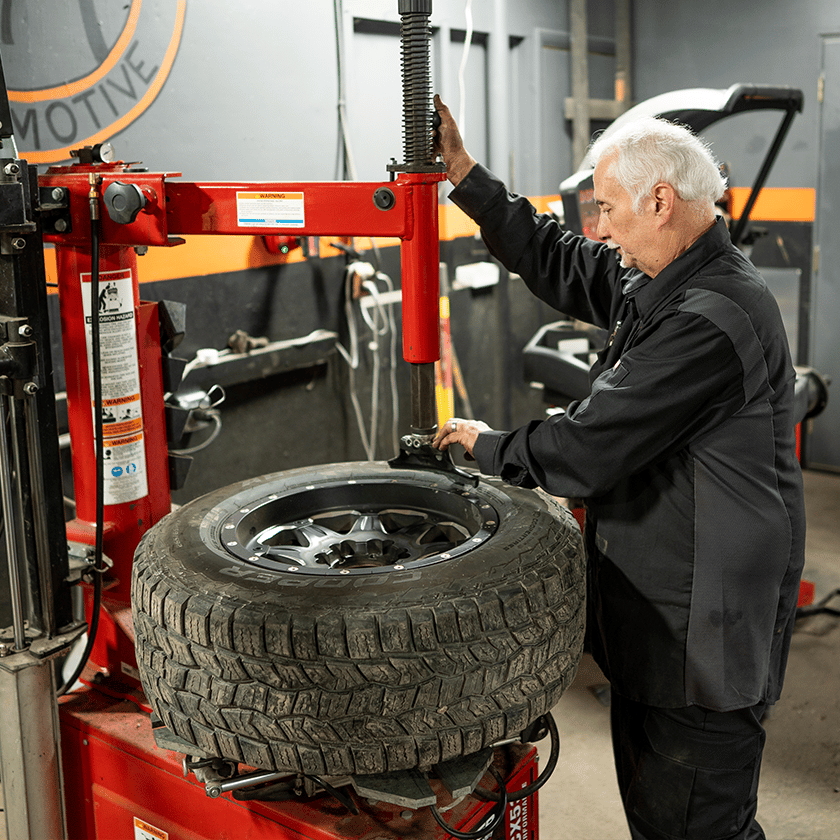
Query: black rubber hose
x=486, y=829
x=551, y=763
x=96, y=365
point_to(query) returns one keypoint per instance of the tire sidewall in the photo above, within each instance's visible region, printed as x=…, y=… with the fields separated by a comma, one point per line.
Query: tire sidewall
x=201, y=563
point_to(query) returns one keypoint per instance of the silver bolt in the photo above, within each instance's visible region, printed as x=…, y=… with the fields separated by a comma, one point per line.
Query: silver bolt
x=61, y=225
x=345, y=572
x=18, y=244
x=30, y=388
x=406, y=815
x=12, y=169
x=58, y=193
x=5, y=649
x=399, y=567
x=25, y=330
x=214, y=792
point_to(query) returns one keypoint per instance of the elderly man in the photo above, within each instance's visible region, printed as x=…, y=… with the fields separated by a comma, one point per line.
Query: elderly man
x=684, y=452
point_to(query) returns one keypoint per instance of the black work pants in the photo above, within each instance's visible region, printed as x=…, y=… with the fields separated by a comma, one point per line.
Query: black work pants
x=688, y=773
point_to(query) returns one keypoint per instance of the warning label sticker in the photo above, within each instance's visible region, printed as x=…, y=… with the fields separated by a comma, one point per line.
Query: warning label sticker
x=122, y=420
x=269, y=209
x=144, y=831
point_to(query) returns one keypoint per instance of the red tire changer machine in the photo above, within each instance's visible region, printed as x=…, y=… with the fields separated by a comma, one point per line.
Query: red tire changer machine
x=88, y=766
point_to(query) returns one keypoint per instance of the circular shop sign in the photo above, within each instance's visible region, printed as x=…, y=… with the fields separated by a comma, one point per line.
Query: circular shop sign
x=116, y=57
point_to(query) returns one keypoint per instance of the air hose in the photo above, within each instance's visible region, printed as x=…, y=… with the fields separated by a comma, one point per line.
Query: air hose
x=99, y=445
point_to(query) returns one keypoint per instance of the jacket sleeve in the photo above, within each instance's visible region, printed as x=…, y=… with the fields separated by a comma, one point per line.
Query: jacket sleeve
x=569, y=272
x=667, y=390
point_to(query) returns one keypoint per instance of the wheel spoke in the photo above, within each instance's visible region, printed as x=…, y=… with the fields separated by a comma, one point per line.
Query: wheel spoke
x=373, y=533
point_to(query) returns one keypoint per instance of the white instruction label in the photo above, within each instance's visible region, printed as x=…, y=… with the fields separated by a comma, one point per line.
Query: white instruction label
x=144, y=831
x=122, y=419
x=269, y=209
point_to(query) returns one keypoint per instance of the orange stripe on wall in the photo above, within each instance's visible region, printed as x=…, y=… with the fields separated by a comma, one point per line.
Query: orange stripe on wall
x=454, y=223
x=777, y=204
x=202, y=255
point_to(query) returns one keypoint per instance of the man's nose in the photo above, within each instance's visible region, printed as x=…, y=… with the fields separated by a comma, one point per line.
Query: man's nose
x=601, y=229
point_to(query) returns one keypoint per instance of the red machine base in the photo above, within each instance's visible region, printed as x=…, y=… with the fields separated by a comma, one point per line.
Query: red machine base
x=120, y=784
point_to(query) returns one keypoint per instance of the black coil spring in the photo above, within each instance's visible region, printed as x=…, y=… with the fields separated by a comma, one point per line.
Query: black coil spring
x=415, y=34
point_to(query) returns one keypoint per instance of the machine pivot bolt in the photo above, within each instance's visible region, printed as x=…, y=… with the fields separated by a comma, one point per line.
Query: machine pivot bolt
x=30, y=389
x=12, y=169
x=384, y=198
x=60, y=225
x=58, y=193
x=25, y=330
x=18, y=244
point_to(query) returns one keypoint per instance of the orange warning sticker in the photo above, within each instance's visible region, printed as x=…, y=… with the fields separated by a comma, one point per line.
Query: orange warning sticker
x=144, y=831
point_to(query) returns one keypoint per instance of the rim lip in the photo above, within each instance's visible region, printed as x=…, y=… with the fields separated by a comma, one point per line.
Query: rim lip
x=232, y=523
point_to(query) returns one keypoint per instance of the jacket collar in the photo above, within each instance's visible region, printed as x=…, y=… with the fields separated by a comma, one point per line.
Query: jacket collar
x=647, y=292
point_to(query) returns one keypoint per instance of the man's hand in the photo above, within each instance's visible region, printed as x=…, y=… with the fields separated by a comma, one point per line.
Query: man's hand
x=450, y=146
x=465, y=432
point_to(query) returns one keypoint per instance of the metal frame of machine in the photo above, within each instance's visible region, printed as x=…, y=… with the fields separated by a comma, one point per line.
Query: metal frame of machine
x=116, y=780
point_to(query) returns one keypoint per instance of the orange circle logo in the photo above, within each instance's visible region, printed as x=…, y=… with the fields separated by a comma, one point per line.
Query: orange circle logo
x=117, y=56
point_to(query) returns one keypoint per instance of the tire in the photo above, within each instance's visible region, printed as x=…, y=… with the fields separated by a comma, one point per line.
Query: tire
x=426, y=619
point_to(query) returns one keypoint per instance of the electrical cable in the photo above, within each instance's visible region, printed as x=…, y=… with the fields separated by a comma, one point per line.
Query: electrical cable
x=207, y=414
x=486, y=829
x=550, y=764
x=379, y=328
x=395, y=393
x=345, y=164
x=351, y=356
x=462, y=86
x=381, y=323
x=96, y=369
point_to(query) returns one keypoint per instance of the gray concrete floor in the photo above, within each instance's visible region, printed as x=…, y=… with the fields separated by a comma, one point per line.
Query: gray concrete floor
x=799, y=795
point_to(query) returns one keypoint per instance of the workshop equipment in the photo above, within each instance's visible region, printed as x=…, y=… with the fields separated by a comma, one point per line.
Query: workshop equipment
x=118, y=779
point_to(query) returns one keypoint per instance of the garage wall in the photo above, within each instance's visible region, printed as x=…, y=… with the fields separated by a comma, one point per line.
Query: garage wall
x=249, y=91
x=721, y=43
x=774, y=42
x=252, y=93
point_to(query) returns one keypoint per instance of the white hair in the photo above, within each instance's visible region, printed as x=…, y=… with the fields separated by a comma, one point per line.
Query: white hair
x=652, y=151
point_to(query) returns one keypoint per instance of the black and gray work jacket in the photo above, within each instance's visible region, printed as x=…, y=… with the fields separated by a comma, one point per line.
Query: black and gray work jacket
x=684, y=452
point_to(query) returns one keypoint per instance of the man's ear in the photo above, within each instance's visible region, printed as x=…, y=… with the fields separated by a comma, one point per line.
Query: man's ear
x=664, y=199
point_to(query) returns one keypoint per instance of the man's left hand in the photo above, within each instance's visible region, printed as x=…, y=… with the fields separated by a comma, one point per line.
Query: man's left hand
x=465, y=432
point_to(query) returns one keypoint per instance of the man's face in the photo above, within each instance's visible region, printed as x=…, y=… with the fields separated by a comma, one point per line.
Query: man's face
x=631, y=233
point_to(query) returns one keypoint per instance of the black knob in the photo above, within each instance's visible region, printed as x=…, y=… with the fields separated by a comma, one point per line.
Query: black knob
x=123, y=202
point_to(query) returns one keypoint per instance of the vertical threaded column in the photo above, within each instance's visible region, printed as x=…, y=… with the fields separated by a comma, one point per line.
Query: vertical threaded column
x=415, y=36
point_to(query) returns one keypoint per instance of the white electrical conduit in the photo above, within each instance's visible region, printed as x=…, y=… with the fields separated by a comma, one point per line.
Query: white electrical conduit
x=380, y=323
x=462, y=107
